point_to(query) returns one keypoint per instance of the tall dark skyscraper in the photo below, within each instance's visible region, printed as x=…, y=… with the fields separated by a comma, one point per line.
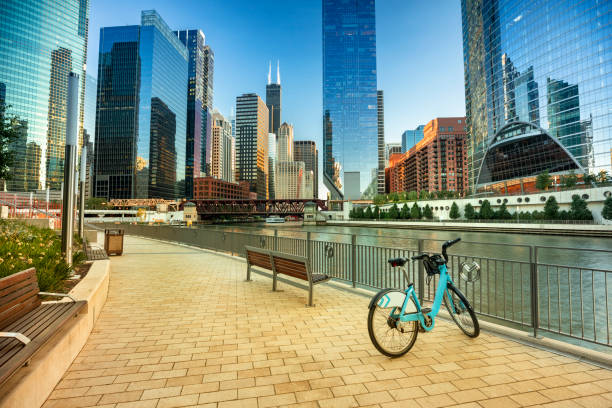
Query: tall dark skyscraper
x=141, y=113
x=306, y=151
x=380, y=103
x=273, y=100
x=531, y=104
x=350, y=139
x=208, y=75
x=42, y=41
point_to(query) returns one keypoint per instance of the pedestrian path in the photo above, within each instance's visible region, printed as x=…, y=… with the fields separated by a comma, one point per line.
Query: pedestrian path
x=181, y=328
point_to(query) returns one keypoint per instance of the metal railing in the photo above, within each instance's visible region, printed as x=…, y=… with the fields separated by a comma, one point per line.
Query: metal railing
x=566, y=301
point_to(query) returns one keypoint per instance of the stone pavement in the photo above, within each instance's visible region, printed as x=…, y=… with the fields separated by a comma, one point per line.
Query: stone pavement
x=182, y=328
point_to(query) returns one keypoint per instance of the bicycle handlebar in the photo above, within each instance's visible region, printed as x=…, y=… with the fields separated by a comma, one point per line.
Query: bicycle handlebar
x=448, y=244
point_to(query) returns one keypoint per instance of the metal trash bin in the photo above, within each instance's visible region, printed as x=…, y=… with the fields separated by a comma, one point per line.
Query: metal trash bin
x=113, y=241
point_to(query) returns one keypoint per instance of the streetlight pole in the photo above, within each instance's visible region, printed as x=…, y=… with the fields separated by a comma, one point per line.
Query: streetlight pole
x=82, y=190
x=70, y=157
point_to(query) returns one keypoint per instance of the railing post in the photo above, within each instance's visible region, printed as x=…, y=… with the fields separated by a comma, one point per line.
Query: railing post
x=275, y=244
x=309, y=248
x=421, y=272
x=535, y=312
x=354, y=259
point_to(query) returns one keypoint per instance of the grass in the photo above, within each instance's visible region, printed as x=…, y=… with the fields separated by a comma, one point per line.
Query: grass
x=23, y=246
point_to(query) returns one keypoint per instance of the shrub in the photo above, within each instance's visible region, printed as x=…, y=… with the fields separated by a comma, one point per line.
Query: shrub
x=486, y=212
x=470, y=213
x=428, y=212
x=415, y=212
x=368, y=213
x=606, y=211
x=405, y=212
x=454, y=211
x=543, y=181
x=376, y=213
x=394, y=212
x=579, y=210
x=412, y=196
x=503, y=213
x=551, y=208
x=379, y=199
x=569, y=180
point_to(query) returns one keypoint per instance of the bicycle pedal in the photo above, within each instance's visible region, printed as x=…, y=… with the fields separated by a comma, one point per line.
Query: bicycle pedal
x=425, y=310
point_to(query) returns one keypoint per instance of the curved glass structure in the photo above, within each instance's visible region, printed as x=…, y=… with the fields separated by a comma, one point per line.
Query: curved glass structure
x=548, y=63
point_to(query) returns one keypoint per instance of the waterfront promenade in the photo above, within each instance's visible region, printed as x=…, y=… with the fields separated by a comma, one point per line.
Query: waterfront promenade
x=182, y=328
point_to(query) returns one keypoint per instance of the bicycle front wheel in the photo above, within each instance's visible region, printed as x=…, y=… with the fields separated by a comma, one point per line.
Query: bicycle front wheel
x=389, y=335
x=461, y=312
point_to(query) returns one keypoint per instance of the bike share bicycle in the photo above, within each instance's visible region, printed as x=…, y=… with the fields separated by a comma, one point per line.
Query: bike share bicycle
x=396, y=316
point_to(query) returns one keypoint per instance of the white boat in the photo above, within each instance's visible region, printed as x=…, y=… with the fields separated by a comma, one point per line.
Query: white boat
x=274, y=219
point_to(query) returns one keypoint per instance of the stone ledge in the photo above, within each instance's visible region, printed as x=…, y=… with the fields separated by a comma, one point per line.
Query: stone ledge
x=31, y=385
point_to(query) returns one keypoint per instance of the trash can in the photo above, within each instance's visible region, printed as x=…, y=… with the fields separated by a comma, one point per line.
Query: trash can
x=113, y=241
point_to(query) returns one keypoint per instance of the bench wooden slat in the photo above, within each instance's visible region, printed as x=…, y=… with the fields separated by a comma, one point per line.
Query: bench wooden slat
x=8, y=289
x=19, y=296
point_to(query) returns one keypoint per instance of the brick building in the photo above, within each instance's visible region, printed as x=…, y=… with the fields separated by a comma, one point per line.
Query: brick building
x=438, y=162
x=209, y=188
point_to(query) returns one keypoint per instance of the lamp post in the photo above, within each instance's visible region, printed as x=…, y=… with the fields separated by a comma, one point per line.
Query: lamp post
x=70, y=157
x=82, y=190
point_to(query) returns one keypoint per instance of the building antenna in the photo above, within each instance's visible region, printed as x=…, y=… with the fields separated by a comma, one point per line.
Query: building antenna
x=278, y=72
x=269, y=72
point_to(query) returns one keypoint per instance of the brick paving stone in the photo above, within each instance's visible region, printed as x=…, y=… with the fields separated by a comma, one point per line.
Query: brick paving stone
x=205, y=338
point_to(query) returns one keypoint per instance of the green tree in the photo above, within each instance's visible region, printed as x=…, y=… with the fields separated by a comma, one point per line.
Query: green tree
x=606, y=211
x=569, y=181
x=428, y=212
x=10, y=129
x=543, y=181
x=454, y=211
x=379, y=199
x=589, y=178
x=95, y=203
x=551, y=208
x=368, y=213
x=394, y=197
x=360, y=213
x=469, y=211
x=352, y=214
x=415, y=212
x=405, y=212
x=503, y=213
x=413, y=196
x=376, y=213
x=486, y=212
x=394, y=212
x=579, y=209
x=424, y=195
x=602, y=176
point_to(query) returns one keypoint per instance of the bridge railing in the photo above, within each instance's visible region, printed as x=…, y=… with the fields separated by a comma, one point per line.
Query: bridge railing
x=568, y=302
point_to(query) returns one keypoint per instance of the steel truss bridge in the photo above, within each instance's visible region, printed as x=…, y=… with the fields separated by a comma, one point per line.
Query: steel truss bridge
x=210, y=208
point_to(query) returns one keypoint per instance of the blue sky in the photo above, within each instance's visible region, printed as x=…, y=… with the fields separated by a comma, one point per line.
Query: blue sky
x=419, y=53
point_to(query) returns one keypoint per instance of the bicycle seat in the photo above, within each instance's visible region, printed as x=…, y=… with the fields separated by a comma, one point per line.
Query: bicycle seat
x=397, y=261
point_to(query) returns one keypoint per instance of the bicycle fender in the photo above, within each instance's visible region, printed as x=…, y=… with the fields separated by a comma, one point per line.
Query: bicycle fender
x=388, y=297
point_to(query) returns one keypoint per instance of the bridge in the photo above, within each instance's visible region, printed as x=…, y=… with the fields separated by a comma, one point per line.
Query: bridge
x=248, y=207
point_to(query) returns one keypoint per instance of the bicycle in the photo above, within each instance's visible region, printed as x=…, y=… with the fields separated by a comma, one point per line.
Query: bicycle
x=396, y=317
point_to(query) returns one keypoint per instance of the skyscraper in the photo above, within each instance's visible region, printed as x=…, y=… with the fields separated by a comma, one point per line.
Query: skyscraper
x=252, y=143
x=271, y=166
x=381, y=142
x=531, y=106
x=306, y=151
x=411, y=137
x=289, y=180
x=196, y=106
x=350, y=142
x=89, y=107
x=141, y=113
x=284, y=143
x=209, y=69
x=41, y=43
x=273, y=100
x=222, y=146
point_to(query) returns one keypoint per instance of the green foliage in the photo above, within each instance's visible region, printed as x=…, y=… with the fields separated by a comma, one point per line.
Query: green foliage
x=543, y=181
x=569, y=181
x=424, y=195
x=405, y=212
x=368, y=213
x=502, y=213
x=376, y=213
x=415, y=212
x=551, y=208
x=525, y=215
x=486, y=212
x=470, y=213
x=454, y=211
x=606, y=211
x=95, y=203
x=394, y=212
x=379, y=199
x=10, y=129
x=589, y=178
x=394, y=197
x=579, y=210
x=412, y=196
x=25, y=247
x=602, y=176
x=428, y=212
x=360, y=212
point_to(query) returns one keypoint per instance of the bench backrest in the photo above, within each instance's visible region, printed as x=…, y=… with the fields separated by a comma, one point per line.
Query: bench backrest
x=295, y=266
x=258, y=257
x=18, y=296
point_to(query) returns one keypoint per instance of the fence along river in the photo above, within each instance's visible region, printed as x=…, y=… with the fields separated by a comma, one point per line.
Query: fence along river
x=572, y=276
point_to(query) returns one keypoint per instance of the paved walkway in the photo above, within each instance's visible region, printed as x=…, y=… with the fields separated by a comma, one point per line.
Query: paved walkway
x=182, y=328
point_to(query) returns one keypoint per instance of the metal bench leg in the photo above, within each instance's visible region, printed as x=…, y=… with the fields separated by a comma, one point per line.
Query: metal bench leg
x=274, y=281
x=248, y=279
x=309, y=295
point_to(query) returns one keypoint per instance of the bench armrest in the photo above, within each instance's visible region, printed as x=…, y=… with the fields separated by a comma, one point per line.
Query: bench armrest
x=17, y=336
x=61, y=295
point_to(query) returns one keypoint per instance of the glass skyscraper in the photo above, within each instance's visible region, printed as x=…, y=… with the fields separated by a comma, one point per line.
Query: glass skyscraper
x=42, y=41
x=411, y=137
x=141, y=111
x=538, y=79
x=350, y=142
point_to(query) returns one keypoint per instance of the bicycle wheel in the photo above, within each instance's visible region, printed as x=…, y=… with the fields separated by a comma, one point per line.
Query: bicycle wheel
x=390, y=336
x=461, y=312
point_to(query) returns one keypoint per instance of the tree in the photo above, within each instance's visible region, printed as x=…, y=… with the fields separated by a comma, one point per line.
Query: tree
x=551, y=208
x=486, y=212
x=428, y=212
x=379, y=199
x=602, y=176
x=394, y=212
x=96, y=203
x=360, y=213
x=469, y=211
x=454, y=211
x=503, y=213
x=415, y=212
x=589, y=178
x=368, y=213
x=570, y=180
x=10, y=129
x=394, y=197
x=376, y=213
x=352, y=214
x=405, y=212
x=606, y=212
x=579, y=209
x=543, y=181
x=424, y=195
x=413, y=196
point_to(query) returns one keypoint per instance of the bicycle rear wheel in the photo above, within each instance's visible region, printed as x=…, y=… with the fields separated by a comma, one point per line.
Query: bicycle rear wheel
x=461, y=312
x=389, y=335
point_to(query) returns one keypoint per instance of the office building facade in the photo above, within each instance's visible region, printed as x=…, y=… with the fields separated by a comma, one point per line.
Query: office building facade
x=42, y=42
x=210, y=188
x=271, y=166
x=273, y=100
x=390, y=149
x=350, y=136
x=306, y=151
x=284, y=143
x=252, y=143
x=289, y=180
x=532, y=104
x=411, y=137
x=141, y=111
x=222, y=148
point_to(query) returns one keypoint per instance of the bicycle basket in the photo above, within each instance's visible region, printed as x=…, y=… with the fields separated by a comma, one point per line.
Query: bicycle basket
x=469, y=271
x=431, y=264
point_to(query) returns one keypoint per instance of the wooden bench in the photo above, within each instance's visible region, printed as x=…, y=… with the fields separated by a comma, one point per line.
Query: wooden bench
x=280, y=263
x=26, y=324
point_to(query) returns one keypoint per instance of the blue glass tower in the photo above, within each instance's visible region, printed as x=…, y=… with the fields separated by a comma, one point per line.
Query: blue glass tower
x=538, y=88
x=141, y=111
x=411, y=137
x=42, y=41
x=350, y=138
